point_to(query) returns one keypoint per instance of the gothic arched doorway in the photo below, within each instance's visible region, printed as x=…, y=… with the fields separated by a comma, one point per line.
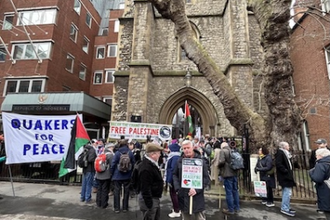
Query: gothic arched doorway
x=198, y=102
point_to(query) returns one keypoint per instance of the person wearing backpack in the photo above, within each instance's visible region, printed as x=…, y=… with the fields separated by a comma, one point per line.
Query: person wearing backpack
x=88, y=175
x=230, y=180
x=104, y=178
x=121, y=170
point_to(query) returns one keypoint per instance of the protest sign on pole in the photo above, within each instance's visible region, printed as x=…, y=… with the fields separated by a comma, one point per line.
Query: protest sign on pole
x=192, y=176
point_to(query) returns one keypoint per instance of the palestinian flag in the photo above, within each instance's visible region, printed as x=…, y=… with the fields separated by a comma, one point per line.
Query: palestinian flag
x=188, y=119
x=79, y=137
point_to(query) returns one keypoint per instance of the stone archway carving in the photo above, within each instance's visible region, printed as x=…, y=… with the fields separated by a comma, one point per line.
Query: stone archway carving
x=197, y=100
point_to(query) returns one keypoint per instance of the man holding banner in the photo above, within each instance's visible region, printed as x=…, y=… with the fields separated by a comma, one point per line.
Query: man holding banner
x=190, y=177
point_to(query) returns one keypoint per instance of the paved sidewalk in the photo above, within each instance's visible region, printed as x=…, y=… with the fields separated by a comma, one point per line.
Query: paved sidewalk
x=56, y=202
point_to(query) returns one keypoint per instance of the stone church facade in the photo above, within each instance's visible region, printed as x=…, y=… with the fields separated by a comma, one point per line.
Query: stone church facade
x=154, y=79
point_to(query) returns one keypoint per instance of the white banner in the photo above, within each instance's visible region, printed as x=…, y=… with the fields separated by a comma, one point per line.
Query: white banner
x=133, y=130
x=36, y=138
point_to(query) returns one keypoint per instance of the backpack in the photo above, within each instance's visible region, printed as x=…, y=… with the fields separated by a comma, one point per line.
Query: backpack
x=101, y=163
x=82, y=158
x=125, y=163
x=236, y=160
x=135, y=183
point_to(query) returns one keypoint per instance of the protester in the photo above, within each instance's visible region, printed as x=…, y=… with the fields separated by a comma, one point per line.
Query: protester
x=321, y=143
x=320, y=174
x=214, y=164
x=121, y=179
x=88, y=176
x=151, y=183
x=184, y=194
x=173, y=157
x=284, y=170
x=104, y=179
x=266, y=172
x=230, y=180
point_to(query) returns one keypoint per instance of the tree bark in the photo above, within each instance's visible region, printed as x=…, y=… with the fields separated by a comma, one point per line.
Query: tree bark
x=283, y=122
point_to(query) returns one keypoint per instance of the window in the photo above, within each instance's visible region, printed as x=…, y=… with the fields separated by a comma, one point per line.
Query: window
x=327, y=59
x=77, y=6
x=24, y=85
x=182, y=55
x=100, y=52
x=325, y=5
x=109, y=76
x=97, y=79
x=88, y=20
x=3, y=53
x=46, y=16
x=28, y=51
x=8, y=22
x=69, y=63
x=112, y=50
x=108, y=100
x=116, y=28
x=85, y=45
x=122, y=6
x=73, y=32
x=82, y=72
x=104, y=31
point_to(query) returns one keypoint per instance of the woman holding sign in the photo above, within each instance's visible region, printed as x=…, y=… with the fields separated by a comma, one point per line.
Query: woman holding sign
x=266, y=168
x=190, y=177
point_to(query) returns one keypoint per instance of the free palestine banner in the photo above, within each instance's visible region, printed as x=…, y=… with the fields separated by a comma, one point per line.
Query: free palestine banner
x=36, y=138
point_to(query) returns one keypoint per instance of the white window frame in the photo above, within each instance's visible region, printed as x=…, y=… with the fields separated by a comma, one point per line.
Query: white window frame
x=77, y=6
x=325, y=6
x=97, y=52
x=85, y=47
x=3, y=52
x=37, y=17
x=28, y=53
x=104, y=31
x=69, y=56
x=82, y=71
x=110, y=48
x=6, y=25
x=73, y=32
x=18, y=80
x=107, y=73
x=327, y=59
x=122, y=5
x=96, y=74
x=116, y=26
x=104, y=99
x=88, y=19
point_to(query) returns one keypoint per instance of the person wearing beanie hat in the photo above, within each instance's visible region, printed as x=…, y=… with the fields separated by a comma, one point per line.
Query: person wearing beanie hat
x=150, y=182
x=321, y=143
x=172, y=159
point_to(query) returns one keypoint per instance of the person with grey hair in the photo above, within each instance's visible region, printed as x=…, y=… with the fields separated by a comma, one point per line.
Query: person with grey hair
x=230, y=180
x=320, y=174
x=104, y=178
x=284, y=168
x=184, y=194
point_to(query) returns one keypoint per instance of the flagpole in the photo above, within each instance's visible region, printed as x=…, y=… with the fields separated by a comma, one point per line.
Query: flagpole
x=185, y=121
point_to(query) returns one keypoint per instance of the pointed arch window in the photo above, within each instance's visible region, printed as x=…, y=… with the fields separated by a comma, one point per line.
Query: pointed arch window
x=182, y=53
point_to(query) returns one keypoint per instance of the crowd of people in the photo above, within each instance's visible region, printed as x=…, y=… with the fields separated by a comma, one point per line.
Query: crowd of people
x=160, y=167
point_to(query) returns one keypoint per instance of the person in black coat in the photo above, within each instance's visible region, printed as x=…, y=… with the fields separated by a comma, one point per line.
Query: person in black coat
x=198, y=206
x=319, y=174
x=266, y=172
x=321, y=143
x=151, y=183
x=284, y=170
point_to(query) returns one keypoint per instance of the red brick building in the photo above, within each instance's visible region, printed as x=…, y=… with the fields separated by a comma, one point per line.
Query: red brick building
x=57, y=47
x=310, y=54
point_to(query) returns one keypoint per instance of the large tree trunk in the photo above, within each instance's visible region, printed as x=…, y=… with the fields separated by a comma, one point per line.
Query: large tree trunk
x=283, y=122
